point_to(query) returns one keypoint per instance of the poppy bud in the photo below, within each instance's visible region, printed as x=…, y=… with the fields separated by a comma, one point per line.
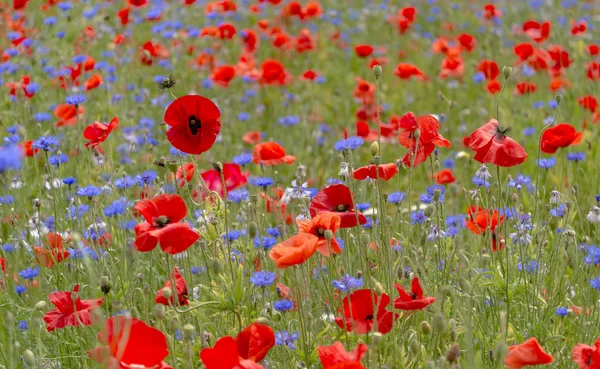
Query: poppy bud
x=465, y=285
x=374, y=148
x=514, y=198
x=376, y=338
x=172, y=325
x=163, y=127
x=159, y=311
x=328, y=234
x=428, y=212
x=558, y=98
x=188, y=332
x=301, y=172
x=389, y=220
x=218, y=166
x=506, y=72
x=116, y=306
x=167, y=293
x=414, y=346
x=453, y=335
x=425, y=327
x=377, y=70
x=29, y=358
x=446, y=291
x=365, y=239
x=378, y=287
x=105, y=285
x=437, y=193
x=417, y=133
x=216, y=266
x=41, y=306
x=436, y=164
x=439, y=323
x=262, y=320
x=453, y=353
x=252, y=229
x=10, y=318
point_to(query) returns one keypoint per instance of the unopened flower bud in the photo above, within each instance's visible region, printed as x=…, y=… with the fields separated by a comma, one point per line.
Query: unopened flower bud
x=377, y=70
x=414, y=346
x=374, y=148
x=485, y=260
x=506, y=71
x=417, y=133
x=172, y=325
x=262, y=320
x=376, y=338
x=439, y=323
x=29, y=358
x=252, y=229
x=41, y=305
x=453, y=353
x=188, y=332
x=365, y=239
x=428, y=212
x=163, y=128
x=159, y=311
x=558, y=98
x=328, y=234
x=216, y=266
x=437, y=193
x=425, y=327
x=167, y=293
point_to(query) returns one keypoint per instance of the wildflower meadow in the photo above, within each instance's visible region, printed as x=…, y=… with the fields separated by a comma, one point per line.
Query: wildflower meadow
x=282, y=184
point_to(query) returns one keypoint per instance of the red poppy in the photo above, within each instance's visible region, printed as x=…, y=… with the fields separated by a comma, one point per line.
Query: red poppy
x=467, y=41
x=69, y=312
x=130, y=343
x=588, y=102
x=336, y=356
x=22, y=85
x=272, y=72
x=232, y=174
x=525, y=88
x=252, y=137
x=382, y=171
x=562, y=135
x=224, y=355
x=338, y=199
x=54, y=254
x=490, y=11
x=360, y=317
x=93, y=82
x=294, y=251
x=28, y=148
x=194, y=122
x=304, y=41
x=180, y=289
x=445, y=176
x=312, y=9
x=255, y=341
x=98, y=132
x=184, y=174
x=123, y=15
x=587, y=357
x=413, y=300
x=538, y=32
x=480, y=221
x=559, y=83
x=19, y=4
x=2, y=264
x=593, y=71
x=493, y=146
x=493, y=87
x=593, y=49
x=163, y=215
x=363, y=50
x=406, y=71
x=151, y=51
x=578, y=28
x=489, y=68
x=364, y=90
x=309, y=75
x=226, y=31
x=527, y=353
x=560, y=57
x=271, y=153
x=452, y=67
x=317, y=226
x=67, y=114
x=420, y=145
x=524, y=51
x=137, y=2
x=223, y=75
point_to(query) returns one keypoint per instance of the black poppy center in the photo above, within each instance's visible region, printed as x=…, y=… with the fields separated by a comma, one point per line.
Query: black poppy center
x=341, y=208
x=195, y=124
x=414, y=296
x=503, y=130
x=320, y=231
x=369, y=317
x=161, y=221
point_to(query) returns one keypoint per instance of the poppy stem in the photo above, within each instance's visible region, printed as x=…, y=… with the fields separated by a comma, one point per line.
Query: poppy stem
x=498, y=100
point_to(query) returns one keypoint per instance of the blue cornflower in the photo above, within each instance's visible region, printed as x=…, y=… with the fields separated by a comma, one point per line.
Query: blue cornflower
x=20, y=289
x=559, y=211
x=261, y=181
x=273, y=232
x=89, y=191
x=197, y=270
x=118, y=207
x=521, y=181
x=451, y=231
x=242, y=159
x=46, y=143
x=456, y=221
x=290, y=120
x=283, y=338
x=333, y=181
x=283, y=305
x=232, y=235
x=523, y=227
x=396, y=197
x=363, y=206
x=480, y=182
x=146, y=178
x=42, y=117
x=593, y=256
x=124, y=182
x=479, y=77
x=10, y=158
x=238, y=195
x=428, y=197
x=417, y=217
x=23, y=325
x=528, y=131
x=351, y=143
x=77, y=212
x=29, y=273
x=69, y=181
x=562, y=311
x=348, y=283
x=448, y=163
x=595, y=283
x=598, y=198
x=576, y=156
x=435, y=233
x=263, y=278
x=265, y=242
x=7, y=200
x=528, y=267
x=75, y=99
x=57, y=160
x=546, y=163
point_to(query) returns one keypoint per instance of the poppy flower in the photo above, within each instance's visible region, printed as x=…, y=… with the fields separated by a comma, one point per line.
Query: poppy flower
x=538, y=32
x=338, y=199
x=413, y=300
x=255, y=341
x=130, y=343
x=578, y=27
x=480, y=221
x=560, y=57
x=98, y=132
x=28, y=148
x=490, y=11
x=523, y=51
x=137, y=2
x=588, y=102
x=492, y=146
x=561, y=135
x=226, y=31
x=525, y=88
x=382, y=171
x=19, y=4
x=587, y=357
x=317, y=226
x=150, y=51
x=271, y=153
x=309, y=75
x=252, y=137
x=406, y=71
x=180, y=288
x=69, y=312
x=489, y=68
x=593, y=49
x=93, y=82
x=467, y=41
x=295, y=250
x=363, y=50
x=336, y=356
x=527, y=353
x=224, y=355
x=364, y=90
x=272, y=72
x=194, y=122
x=452, y=67
x=360, y=317
x=420, y=145
x=593, y=71
x=559, y=83
x=312, y=9
x=48, y=257
x=223, y=75
x=2, y=264
x=123, y=15
x=493, y=87
x=163, y=215
x=184, y=174
x=67, y=114
x=444, y=176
